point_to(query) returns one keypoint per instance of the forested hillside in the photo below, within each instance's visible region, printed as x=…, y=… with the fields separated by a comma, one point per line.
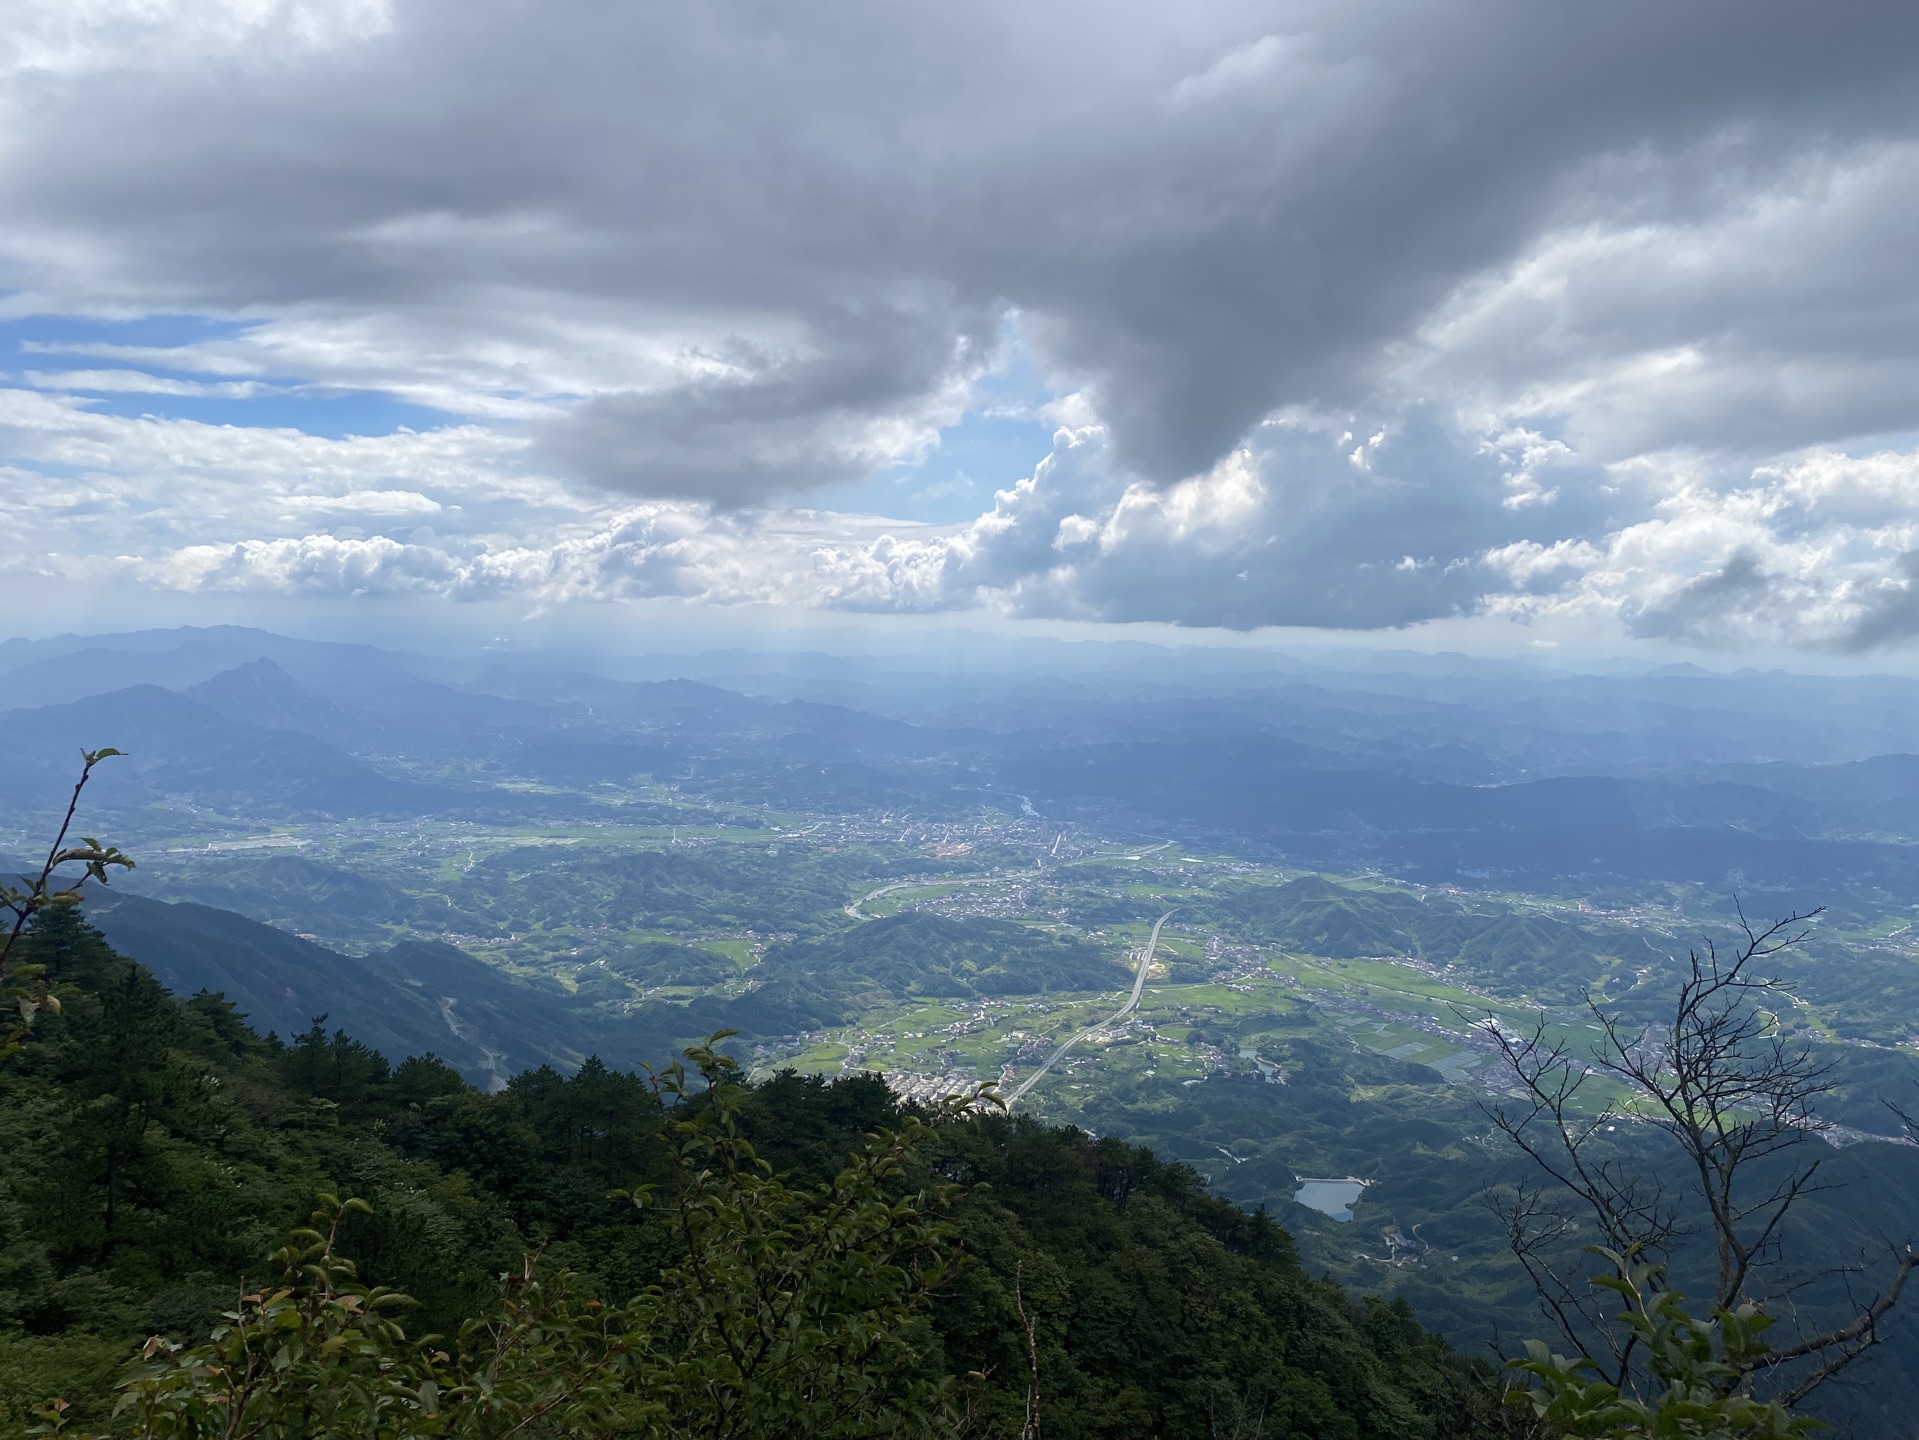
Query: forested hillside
x=157, y=1147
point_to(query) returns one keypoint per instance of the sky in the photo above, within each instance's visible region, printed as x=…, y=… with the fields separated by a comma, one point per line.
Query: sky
x=1446, y=321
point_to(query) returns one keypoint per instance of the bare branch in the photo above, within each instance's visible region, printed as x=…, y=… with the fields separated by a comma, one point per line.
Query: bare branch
x=1532, y=1226
x=1722, y=1081
x=1851, y=1341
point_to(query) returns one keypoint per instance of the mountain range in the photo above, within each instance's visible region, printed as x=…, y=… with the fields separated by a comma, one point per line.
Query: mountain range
x=1264, y=763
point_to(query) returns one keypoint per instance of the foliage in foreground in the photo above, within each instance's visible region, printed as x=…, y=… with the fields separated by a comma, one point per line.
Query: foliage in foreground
x=710, y=1257
x=25, y=990
x=790, y=1310
x=776, y=1307
x=1697, y=1372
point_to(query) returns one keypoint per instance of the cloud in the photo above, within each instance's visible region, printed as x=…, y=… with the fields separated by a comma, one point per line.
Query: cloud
x=1701, y=607
x=1362, y=526
x=1305, y=527
x=84, y=38
x=137, y=382
x=86, y=485
x=366, y=502
x=648, y=551
x=1811, y=553
x=1367, y=315
x=1333, y=521
x=1755, y=319
x=743, y=422
x=1316, y=521
x=1211, y=215
x=310, y=564
x=1890, y=613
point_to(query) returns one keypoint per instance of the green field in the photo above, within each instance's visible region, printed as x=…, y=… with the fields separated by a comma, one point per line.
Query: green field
x=1291, y=1025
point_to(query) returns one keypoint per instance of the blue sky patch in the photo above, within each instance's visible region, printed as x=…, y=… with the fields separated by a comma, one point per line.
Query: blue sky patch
x=53, y=345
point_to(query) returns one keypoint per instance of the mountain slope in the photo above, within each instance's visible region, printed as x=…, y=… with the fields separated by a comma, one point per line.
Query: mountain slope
x=175, y=747
x=420, y=996
x=280, y=982
x=1158, y=1307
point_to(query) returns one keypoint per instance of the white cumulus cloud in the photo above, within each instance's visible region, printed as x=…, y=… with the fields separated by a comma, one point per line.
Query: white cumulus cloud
x=1351, y=316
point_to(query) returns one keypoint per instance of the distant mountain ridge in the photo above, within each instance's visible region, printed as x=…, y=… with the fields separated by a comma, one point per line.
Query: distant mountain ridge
x=69, y=667
x=174, y=746
x=1394, y=770
x=415, y=998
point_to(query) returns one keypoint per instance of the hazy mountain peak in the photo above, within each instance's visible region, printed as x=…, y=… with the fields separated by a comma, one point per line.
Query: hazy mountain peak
x=260, y=693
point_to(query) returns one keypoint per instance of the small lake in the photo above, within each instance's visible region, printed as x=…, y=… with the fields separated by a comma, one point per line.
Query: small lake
x=1268, y=1071
x=1330, y=1197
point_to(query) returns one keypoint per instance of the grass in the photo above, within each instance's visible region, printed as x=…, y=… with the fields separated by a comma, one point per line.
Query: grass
x=1381, y=1004
x=740, y=952
x=821, y=1058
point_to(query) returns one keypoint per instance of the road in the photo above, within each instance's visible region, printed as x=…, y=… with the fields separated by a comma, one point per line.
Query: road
x=1132, y=1004
x=857, y=908
x=853, y=908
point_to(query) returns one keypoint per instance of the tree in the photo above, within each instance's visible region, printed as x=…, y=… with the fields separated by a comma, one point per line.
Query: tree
x=1733, y=1097
x=1695, y=1369
x=114, y=1058
x=24, y=987
x=790, y=1312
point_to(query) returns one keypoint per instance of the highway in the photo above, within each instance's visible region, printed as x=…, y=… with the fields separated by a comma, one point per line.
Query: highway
x=1132, y=1004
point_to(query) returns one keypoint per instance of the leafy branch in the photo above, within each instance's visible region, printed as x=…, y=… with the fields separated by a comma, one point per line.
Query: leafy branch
x=1696, y=1370
x=24, y=989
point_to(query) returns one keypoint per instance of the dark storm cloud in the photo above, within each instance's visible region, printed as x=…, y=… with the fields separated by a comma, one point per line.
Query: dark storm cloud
x=1206, y=212
x=759, y=423
x=1704, y=606
x=1892, y=614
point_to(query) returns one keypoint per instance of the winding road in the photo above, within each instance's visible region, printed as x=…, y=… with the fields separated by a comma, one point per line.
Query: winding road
x=857, y=908
x=1132, y=1004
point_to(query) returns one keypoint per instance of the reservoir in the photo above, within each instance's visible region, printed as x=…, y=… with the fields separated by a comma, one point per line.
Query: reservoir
x=1331, y=1197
